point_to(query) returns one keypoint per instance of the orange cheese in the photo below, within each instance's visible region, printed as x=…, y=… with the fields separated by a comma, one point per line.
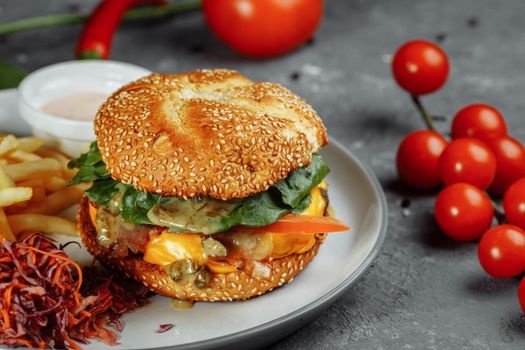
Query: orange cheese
x=284, y=245
x=318, y=204
x=167, y=247
x=93, y=215
x=219, y=266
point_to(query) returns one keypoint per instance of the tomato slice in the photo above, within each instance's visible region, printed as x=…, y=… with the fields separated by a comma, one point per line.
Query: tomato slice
x=304, y=224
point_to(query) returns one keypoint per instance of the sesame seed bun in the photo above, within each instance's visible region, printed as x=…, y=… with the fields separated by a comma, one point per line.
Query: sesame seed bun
x=222, y=287
x=211, y=133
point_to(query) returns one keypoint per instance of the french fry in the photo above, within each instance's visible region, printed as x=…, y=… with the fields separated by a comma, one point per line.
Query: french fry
x=55, y=183
x=16, y=208
x=22, y=156
x=5, y=230
x=13, y=195
x=8, y=143
x=57, y=202
x=41, y=223
x=31, y=183
x=62, y=159
x=29, y=144
x=51, y=184
x=33, y=186
x=39, y=195
x=5, y=181
x=47, y=152
x=33, y=169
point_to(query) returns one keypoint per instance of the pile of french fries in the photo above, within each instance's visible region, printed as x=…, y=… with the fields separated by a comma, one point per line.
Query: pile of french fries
x=33, y=188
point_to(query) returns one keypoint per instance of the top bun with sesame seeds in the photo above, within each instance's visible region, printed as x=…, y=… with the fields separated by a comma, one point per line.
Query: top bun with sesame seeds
x=211, y=133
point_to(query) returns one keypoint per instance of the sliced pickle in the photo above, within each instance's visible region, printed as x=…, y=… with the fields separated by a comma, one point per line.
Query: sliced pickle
x=106, y=227
x=254, y=246
x=162, y=217
x=213, y=247
x=193, y=215
x=115, y=204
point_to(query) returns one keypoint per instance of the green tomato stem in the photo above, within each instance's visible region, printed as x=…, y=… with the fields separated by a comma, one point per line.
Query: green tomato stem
x=498, y=213
x=64, y=19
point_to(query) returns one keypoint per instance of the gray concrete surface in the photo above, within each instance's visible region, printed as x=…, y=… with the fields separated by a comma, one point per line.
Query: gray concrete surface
x=424, y=291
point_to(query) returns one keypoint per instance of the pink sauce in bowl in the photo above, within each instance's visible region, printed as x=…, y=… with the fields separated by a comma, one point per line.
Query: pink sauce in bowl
x=60, y=101
x=78, y=106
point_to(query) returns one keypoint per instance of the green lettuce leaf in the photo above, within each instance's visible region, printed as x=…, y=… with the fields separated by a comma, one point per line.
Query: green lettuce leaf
x=259, y=210
x=136, y=204
x=301, y=181
x=102, y=191
x=90, y=166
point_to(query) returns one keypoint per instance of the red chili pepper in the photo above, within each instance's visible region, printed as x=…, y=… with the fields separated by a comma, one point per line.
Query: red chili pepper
x=95, y=40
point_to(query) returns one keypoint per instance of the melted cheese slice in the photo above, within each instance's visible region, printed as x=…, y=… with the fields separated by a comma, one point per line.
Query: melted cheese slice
x=167, y=247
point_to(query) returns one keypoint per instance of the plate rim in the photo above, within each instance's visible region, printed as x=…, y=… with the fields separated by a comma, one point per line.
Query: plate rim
x=323, y=301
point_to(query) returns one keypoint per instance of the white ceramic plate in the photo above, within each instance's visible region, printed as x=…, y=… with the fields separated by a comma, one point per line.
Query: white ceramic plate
x=357, y=199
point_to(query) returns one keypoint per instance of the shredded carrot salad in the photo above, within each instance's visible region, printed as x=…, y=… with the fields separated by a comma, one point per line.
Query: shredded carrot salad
x=49, y=301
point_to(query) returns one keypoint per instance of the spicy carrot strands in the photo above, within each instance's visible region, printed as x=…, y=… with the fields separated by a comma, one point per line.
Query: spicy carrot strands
x=70, y=309
x=59, y=257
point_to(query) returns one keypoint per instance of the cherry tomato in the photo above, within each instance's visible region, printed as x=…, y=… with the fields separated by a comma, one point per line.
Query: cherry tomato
x=263, y=28
x=480, y=121
x=467, y=160
x=510, y=162
x=463, y=212
x=501, y=251
x=521, y=294
x=417, y=159
x=514, y=203
x=420, y=67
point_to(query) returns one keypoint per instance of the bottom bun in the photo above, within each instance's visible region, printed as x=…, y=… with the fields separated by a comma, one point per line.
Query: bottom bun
x=222, y=287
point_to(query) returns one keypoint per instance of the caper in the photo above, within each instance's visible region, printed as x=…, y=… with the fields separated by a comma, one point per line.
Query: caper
x=202, y=279
x=181, y=269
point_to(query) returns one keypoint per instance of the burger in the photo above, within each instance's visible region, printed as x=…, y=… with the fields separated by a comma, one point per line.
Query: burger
x=206, y=186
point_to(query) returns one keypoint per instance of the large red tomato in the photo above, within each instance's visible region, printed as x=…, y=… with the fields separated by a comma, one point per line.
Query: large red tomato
x=263, y=28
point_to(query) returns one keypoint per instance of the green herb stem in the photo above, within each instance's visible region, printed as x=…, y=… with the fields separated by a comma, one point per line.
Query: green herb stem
x=65, y=19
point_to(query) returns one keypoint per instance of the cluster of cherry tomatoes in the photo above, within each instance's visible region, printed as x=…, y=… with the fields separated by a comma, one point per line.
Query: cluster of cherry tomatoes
x=480, y=159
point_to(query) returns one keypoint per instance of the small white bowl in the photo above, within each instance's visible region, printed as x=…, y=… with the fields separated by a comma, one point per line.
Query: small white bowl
x=72, y=137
